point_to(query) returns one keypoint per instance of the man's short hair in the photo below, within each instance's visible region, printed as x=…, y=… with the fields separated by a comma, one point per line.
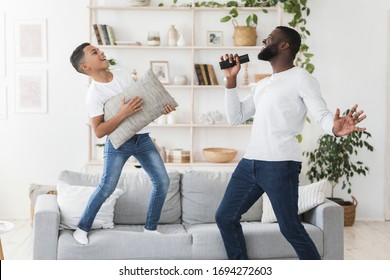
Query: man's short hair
x=77, y=57
x=292, y=37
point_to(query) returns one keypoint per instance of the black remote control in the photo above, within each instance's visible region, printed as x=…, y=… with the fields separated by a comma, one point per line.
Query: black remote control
x=226, y=64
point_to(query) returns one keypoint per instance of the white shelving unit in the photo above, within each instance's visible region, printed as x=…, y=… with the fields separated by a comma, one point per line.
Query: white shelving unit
x=133, y=24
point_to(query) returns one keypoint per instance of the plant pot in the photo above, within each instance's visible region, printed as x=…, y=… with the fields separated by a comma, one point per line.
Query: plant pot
x=337, y=200
x=244, y=35
x=349, y=211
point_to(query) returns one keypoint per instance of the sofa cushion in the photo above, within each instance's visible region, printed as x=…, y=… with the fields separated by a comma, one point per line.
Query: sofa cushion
x=309, y=196
x=127, y=242
x=72, y=201
x=131, y=207
x=154, y=97
x=202, y=192
x=263, y=241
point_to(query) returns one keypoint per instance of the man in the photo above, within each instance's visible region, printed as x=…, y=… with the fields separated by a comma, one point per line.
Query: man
x=272, y=161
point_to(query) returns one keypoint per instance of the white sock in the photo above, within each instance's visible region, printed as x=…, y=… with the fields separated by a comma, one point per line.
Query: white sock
x=81, y=236
x=152, y=231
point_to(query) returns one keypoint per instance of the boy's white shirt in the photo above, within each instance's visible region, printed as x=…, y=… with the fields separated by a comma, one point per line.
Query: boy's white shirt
x=99, y=93
x=279, y=105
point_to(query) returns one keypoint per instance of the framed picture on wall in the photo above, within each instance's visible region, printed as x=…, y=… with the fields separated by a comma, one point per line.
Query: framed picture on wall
x=31, y=91
x=30, y=41
x=3, y=103
x=161, y=70
x=214, y=38
x=2, y=45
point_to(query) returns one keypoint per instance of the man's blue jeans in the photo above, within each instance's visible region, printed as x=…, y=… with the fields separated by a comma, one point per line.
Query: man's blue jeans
x=143, y=149
x=251, y=178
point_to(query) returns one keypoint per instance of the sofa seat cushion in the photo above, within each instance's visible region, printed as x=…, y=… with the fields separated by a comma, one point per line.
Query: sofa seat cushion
x=263, y=241
x=202, y=192
x=131, y=207
x=127, y=242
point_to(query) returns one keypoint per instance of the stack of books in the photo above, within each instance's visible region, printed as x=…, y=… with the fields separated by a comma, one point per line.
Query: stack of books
x=178, y=156
x=206, y=75
x=104, y=34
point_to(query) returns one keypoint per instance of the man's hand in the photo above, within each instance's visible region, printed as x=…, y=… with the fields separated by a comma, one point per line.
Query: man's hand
x=231, y=72
x=131, y=107
x=168, y=109
x=347, y=124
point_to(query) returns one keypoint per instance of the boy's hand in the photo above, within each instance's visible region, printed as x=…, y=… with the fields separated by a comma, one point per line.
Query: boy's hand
x=168, y=109
x=132, y=106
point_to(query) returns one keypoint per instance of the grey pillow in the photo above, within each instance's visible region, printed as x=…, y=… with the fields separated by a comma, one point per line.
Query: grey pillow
x=154, y=97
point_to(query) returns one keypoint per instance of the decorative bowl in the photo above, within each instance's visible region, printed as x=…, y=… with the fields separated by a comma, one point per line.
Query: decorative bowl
x=219, y=155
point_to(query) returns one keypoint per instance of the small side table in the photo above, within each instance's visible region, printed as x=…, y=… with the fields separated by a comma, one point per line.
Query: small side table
x=4, y=227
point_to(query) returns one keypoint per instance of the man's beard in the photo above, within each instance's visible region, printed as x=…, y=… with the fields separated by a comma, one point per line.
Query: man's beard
x=268, y=52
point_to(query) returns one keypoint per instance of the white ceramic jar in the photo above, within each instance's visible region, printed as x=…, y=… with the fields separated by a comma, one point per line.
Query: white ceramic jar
x=180, y=80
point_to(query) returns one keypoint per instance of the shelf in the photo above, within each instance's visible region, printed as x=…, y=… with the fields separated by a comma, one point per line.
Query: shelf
x=170, y=125
x=207, y=48
x=198, y=163
x=194, y=99
x=201, y=125
x=222, y=126
x=143, y=47
x=145, y=8
x=219, y=87
x=175, y=8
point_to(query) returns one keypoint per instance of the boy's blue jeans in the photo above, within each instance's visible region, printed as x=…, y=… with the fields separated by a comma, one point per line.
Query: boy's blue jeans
x=143, y=149
x=251, y=178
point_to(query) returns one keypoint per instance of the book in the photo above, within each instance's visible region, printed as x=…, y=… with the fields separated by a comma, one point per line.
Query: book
x=97, y=34
x=203, y=73
x=213, y=77
x=101, y=32
x=199, y=75
x=105, y=34
x=111, y=35
x=206, y=73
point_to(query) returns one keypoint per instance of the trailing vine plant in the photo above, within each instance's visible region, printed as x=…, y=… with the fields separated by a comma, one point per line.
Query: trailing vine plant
x=297, y=8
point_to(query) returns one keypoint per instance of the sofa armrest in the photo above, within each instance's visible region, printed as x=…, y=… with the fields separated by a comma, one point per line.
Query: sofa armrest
x=46, y=227
x=329, y=217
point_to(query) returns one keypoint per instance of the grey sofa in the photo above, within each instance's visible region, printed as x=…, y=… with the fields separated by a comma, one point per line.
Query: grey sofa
x=187, y=223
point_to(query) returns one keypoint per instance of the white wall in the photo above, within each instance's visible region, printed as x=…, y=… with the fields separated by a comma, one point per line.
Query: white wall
x=349, y=39
x=35, y=147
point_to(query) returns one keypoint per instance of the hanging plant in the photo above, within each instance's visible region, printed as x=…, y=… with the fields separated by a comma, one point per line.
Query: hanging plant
x=297, y=8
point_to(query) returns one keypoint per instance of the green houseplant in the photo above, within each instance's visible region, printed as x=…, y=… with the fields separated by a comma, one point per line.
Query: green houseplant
x=333, y=160
x=297, y=8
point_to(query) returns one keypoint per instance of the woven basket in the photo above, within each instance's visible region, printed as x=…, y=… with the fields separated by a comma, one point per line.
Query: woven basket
x=244, y=35
x=350, y=212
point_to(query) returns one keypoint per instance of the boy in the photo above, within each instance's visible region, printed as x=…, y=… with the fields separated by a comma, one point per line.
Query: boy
x=105, y=84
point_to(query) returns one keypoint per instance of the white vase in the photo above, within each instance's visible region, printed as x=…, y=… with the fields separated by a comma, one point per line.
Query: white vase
x=181, y=42
x=172, y=36
x=180, y=80
x=171, y=118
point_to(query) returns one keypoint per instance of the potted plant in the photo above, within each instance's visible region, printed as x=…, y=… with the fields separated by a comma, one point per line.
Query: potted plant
x=299, y=10
x=333, y=160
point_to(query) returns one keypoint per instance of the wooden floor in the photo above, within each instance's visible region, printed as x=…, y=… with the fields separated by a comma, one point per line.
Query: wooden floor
x=362, y=241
